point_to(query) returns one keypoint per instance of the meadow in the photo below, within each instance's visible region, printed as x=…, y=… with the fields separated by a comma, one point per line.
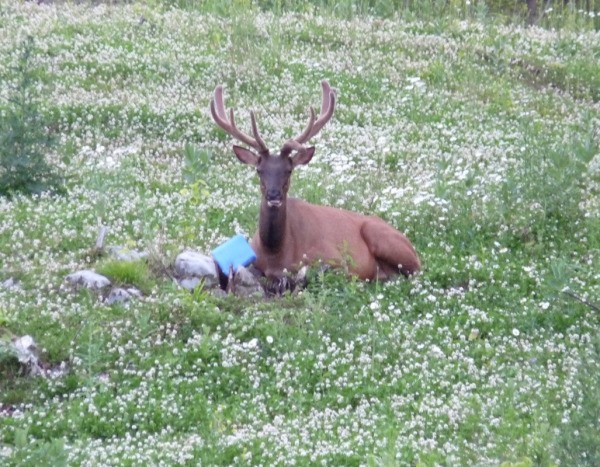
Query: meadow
x=478, y=138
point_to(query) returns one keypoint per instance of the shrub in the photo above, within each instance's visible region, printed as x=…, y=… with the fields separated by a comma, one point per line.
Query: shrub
x=24, y=139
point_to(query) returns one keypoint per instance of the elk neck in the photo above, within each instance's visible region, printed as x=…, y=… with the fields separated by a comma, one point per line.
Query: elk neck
x=272, y=226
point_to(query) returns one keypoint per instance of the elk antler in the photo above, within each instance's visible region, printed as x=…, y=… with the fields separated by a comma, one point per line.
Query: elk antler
x=316, y=124
x=217, y=109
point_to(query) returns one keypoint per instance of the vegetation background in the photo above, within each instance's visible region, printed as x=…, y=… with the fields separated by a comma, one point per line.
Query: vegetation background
x=472, y=126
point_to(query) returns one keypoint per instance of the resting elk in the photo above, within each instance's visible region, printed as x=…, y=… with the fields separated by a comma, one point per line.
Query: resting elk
x=292, y=232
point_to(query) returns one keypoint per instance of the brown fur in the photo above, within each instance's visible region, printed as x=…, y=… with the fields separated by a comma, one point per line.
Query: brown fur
x=365, y=245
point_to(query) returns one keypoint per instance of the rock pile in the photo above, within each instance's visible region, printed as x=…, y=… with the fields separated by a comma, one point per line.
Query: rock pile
x=191, y=270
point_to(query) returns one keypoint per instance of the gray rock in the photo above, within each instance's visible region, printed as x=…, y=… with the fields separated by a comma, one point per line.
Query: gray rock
x=88, y=279
x=27, y=353
x=26, y=349
x=246, y=284
x=125, y=254
x=10, y=283
x=191, y=264
x=121, y=295
x=189, y=283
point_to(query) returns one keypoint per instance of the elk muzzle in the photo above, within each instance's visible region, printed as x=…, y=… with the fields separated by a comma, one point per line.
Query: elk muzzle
x=274, y=198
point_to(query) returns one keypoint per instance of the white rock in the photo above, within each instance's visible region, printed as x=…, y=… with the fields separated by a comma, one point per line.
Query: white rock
x=192, y=264
x=26, y=349
x=88, y=279
x=27, y=353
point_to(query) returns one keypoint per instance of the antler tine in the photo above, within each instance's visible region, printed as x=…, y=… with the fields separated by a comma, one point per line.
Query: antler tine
x=304, y=136
x=219, y=120
x=219, y=101
x=217, y=110
x=327, y=108
x=256, y=133
x=326, y=92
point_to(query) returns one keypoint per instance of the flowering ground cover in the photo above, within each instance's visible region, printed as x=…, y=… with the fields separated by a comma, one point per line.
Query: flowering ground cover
x=480, y=141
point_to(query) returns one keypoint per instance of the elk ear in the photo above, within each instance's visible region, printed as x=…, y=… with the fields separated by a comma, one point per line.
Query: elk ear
x=246, y=156
x=303, y=157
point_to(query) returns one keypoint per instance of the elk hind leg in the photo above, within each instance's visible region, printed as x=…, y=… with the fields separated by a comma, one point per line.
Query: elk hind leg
x=392, y=250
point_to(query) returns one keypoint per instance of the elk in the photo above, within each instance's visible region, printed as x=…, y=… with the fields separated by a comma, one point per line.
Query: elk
x=292, y=232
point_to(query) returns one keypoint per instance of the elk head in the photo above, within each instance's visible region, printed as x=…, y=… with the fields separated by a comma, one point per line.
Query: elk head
x=274, y=169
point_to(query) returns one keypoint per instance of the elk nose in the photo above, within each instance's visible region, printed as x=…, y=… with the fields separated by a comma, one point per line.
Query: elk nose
x=273, y=194
x=274, y=198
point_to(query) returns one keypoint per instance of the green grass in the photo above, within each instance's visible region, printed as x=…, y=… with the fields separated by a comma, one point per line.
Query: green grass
x=124, y=273
x=476, y=136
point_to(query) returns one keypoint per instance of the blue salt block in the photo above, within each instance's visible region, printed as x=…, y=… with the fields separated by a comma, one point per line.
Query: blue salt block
x=235, y=252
